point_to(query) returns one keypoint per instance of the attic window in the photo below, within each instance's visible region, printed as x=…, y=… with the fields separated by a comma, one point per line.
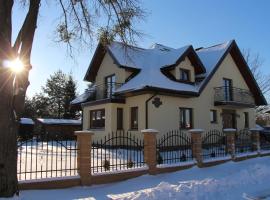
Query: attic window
x=184, y=75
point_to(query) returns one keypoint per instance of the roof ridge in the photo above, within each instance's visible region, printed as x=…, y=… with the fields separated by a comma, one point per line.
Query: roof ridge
x=216, y=45
x=128, y=45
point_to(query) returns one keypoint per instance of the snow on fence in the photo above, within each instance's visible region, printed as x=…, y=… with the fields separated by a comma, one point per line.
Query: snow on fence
x=119, y=150
x=46, y=158
x=174, y=147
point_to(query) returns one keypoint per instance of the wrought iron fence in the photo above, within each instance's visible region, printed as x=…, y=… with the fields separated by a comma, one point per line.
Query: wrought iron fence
x=214, y=145
x=174, y=147
x=264, y=141
x=243, y=141
x=46, y=157
x=119, y=150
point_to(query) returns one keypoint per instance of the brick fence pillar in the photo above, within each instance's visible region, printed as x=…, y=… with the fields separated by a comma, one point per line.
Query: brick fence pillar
x=84, y=140
x=150, y=152
x=196, y=138
x=230, y=141
x=255, y=138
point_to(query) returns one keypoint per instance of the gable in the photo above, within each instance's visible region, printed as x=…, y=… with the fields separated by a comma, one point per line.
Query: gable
x=244, y=70
x=227, y=70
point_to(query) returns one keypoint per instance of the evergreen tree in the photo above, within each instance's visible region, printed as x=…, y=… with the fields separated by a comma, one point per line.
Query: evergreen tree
x=70, y=94
x=54, y=90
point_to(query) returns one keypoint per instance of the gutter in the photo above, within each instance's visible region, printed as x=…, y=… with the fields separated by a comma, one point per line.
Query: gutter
x=146, y=109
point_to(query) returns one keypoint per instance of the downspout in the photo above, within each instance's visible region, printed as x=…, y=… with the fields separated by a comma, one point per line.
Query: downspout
x=146, y=109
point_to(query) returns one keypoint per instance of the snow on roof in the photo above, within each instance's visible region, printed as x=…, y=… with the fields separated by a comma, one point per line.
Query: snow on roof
x=27, y=121
x=140, y=58
x=211, y=55
x=60, y=121
x=83, y=97
x=150, y=61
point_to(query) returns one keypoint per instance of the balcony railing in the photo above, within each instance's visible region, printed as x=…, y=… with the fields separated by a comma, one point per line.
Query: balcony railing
x=104, y=91
x=233, y=96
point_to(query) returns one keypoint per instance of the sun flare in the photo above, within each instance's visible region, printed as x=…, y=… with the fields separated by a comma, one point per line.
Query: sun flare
x=15, y=65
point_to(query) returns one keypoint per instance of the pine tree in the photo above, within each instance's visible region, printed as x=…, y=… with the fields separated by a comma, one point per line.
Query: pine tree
x=70, y=94
x=54, y=90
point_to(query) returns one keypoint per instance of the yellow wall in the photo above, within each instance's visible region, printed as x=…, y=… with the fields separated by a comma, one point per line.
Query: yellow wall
x=107, y=68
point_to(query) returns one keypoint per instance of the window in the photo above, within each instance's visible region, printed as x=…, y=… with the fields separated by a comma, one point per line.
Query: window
x=184, y=75
x=97, y=119
x=227, y=83
x=134, y=118
x=119, y=118
x=246, y=118
x=213, y=116
x=186, y=118
x=109, y=85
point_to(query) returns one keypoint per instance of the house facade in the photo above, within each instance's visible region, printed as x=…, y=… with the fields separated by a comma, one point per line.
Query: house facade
x=168, y=89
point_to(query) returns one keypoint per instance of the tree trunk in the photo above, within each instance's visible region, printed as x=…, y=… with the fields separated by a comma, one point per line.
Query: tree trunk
x=8, y=142
x=12, y=93
x=8, y=127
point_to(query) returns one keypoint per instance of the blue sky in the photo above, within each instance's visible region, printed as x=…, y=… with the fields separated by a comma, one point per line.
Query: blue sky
x=172, y=22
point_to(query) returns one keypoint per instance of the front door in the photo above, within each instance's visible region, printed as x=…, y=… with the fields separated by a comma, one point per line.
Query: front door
x=229, y=119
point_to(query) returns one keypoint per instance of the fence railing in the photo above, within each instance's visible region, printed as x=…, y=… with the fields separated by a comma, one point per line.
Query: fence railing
x=49, y=157
x=243, y=142
x=232, y=94
x=265, y=141
x=118, y=150
x=214, y=144
x=46, y=157
x=174, y=147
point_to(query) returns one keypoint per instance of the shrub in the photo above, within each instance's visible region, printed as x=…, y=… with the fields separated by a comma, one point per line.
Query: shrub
x=130, y=163
x=106, y=165
x=159, y=159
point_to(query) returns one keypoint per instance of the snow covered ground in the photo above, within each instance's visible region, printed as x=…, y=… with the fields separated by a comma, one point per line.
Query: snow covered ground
x=232, y=180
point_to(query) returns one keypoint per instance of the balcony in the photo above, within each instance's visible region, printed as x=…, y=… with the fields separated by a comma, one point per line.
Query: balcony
x=232, y=96
x=103, y=91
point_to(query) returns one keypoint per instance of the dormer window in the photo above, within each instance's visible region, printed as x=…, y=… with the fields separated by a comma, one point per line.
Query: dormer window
x=184, y=75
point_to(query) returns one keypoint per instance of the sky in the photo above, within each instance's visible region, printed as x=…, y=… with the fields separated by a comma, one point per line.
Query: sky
x=174, y=23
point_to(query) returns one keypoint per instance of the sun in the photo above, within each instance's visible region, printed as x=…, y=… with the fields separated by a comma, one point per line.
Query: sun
x=15, y=65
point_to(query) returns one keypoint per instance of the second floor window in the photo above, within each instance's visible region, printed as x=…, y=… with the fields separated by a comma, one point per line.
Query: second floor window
x=186, y=118
x=97, y=119
x=227, y=83
x=109, y=86
x=134, y=118
x=184, y=75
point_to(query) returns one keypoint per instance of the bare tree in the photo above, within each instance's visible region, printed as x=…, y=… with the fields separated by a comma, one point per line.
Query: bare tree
x=80, y=21
x=255, y=63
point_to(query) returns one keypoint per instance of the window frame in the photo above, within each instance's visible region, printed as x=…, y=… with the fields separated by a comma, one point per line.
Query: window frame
x=228, y=89
x=134, y=117
x=109, y=85
x=181, y=109
x=215, y=121
x=187, y=71
x=100, y=124
x=246, y=120
x=119, y=118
